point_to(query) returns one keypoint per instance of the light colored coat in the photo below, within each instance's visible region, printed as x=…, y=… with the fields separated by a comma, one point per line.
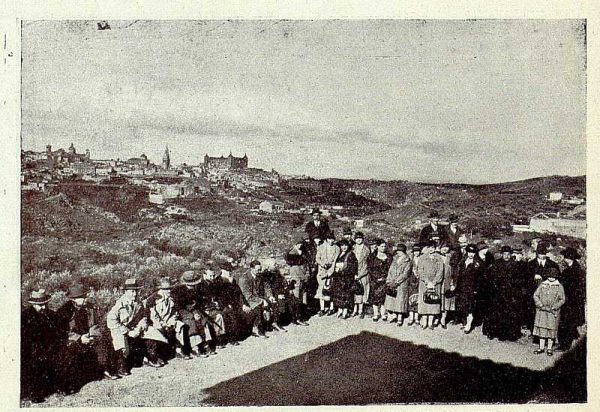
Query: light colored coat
x=549, y=297
x=326, y=255
x=362, y=252
x=123, y=317
x=398, y=276
x=164, y=315
x=429, y=269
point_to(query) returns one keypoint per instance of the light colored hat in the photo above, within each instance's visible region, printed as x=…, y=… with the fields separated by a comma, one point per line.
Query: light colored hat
x=39, y=297
x=462, y=239
x=190, y=277
x=131, y=284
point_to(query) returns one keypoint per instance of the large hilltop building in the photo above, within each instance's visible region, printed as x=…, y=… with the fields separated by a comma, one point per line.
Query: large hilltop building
x=225, y=163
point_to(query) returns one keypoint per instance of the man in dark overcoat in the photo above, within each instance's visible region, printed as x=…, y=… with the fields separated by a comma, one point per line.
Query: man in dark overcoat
x=572, y=314
x=433, y=231
x=254, y=302
x=41, y=342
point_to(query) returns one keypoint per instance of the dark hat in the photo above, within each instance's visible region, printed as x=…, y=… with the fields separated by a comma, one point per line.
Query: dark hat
x=434, y=214
x=428, y=243
x=552, y=272
x=359, y=235
x=164, y=283
x=76, y=291
x=329, y=235
x=315, y=210
x=226, y=266
x=38, y=297
x=416, y=247
x=378, y=241
x=190, y=277
x=453, y=218
x=131, y=284
x=570, y=253
x=347, y=231
x=517, y=250
x=505, y=248
x=482, y=245
x=542, y=248
x=400, y=247
x=343, y=242
x=472, y=248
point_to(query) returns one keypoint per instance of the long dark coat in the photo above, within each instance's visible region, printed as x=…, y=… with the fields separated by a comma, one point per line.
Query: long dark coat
x=502, y=321
x=573, y=311
x=42, y=340
x=342, y=282
x=427, y=234
x=378, y=270
x=79, y=362
x=467, y=284
x=313, y=231
x=188, y=302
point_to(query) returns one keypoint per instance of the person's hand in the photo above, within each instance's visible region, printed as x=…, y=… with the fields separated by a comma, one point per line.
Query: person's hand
x=452, y=288
x=265, y=303
x=537, y=277
x=272, y=299
x=134, y=333
x=246, y=308
x=85, y=339
x=197, y=316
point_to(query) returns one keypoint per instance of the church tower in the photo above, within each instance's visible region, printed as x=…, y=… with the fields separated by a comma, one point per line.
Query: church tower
x=166, y=162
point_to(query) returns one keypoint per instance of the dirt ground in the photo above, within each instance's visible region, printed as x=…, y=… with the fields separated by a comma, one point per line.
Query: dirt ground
x=355, y=361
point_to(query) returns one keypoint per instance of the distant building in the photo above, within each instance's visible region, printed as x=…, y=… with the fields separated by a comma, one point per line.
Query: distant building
x=555, y=196
x=574, y=200
x=140, y=162
x=554, y=223
x=166, y=162
x=65, y=157
x=312, y=185
x=271, y=207
x=225, y=163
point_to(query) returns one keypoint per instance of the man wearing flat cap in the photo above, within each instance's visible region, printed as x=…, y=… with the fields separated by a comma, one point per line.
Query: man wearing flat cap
x=433, y=231
x=317, y=227
x=41, y=342
x=573, y=311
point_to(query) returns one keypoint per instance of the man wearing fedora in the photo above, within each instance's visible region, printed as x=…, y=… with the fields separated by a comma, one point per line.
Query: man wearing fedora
x=229, y=296
x=79, y=322
x=454, y=233
x=433, y=231
x=164, y=331
x=41, y=342
x=317, y=227
x=127, y=322
x=189, y=304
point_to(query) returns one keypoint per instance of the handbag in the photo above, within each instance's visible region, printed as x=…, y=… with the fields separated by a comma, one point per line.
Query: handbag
x=431, y=297
x=391, y=291
x=326, y=287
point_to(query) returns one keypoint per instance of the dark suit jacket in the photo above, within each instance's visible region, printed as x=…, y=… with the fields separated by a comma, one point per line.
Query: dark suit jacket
x=312, y=231
x=427, y=233
x=251, y=289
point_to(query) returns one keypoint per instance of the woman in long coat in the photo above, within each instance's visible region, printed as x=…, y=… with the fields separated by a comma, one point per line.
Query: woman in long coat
x=573, y=312
x=342, y=281
x=430, y=271
x=327, y=254
x=398, y=276
x=501, y=320
x=362, y=253
x=470, y=270
x=413, y=287
x=378, y=265
x=549, y=297
x=448, y=298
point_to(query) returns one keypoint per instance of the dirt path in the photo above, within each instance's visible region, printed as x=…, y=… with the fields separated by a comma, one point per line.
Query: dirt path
x=188, y=383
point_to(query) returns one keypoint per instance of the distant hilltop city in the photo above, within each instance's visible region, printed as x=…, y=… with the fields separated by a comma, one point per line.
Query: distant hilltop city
x=41, y=169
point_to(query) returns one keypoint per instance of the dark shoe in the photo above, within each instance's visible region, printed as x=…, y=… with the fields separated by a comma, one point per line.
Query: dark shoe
x=538, y=351
x=259, y=335
x=384, y=318
x=277, y=327
x=180, y=355
x=431, y=327
x=467, y=331
x=549, y=352
x=400, y=323
x=300, y=323
x=444, y=326
x=234, y=343
x=321, y=313
x=362, y=315
x=123, y=372
x=153, y=364
x=411, y=322
x=375, y=318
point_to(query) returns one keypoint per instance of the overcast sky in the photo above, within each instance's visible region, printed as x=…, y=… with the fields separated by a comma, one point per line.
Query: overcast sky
x=443, y=101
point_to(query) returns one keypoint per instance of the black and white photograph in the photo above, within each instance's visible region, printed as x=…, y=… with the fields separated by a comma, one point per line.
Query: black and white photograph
x=280, y=212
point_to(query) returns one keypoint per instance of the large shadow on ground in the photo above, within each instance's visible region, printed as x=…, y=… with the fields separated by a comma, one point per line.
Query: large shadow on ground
x=374, y=369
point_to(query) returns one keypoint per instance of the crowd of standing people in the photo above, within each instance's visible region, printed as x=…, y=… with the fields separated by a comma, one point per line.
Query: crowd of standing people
x=438, y=280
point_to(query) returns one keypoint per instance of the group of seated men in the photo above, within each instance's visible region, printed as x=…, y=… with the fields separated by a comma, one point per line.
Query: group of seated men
x=62, y=350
